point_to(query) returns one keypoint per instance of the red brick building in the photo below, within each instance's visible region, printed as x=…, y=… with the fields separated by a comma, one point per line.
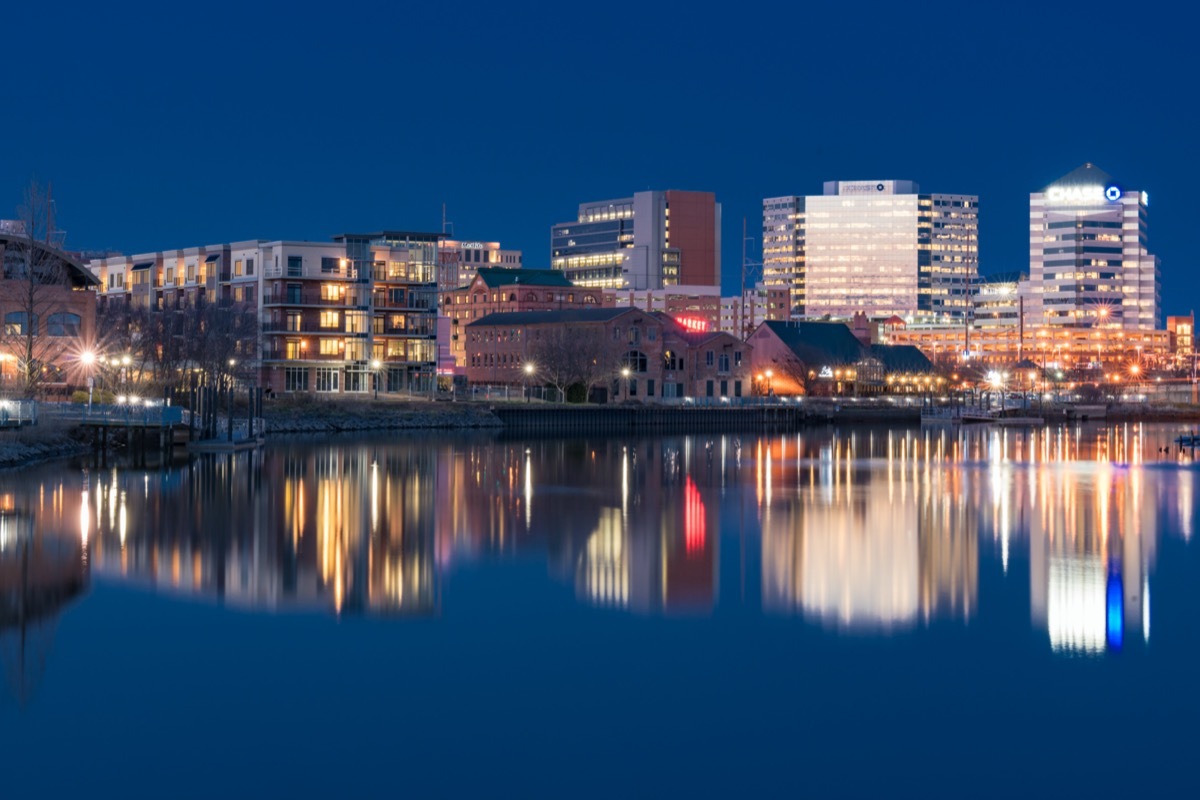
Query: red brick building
x=615, y=353
x=498, y=289
x=48, y=311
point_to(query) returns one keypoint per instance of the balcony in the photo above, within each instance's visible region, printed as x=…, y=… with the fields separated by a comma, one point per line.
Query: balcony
x=306, y=299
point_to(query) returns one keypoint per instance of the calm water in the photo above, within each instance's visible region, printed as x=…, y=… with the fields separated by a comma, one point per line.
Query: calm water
x=840, y=612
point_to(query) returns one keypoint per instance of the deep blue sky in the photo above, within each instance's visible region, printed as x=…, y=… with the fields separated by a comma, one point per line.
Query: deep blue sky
x=162, y=127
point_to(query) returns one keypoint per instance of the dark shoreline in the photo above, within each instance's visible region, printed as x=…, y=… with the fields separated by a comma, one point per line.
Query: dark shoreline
x=30, y=446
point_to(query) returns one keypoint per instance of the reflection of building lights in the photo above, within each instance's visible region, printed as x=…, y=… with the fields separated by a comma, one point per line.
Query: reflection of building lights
x=1115, y=608
x=693, y=518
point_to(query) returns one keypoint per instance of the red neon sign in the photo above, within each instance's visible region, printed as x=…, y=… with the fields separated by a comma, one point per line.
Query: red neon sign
x=697, y=324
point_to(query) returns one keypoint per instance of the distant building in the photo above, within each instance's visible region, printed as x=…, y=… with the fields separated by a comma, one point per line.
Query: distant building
x=703, y=308
x=650, y=240
x=1089, y=265
x=878, y=247
x=459, y=260
x=998, y=299
x=827, y=359
x=493, y=289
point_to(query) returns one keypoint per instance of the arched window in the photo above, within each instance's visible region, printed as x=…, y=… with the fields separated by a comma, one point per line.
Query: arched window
x=530, y=297
x=62, y=324
x=635, y=360
x=512, y=298
x=589, y=299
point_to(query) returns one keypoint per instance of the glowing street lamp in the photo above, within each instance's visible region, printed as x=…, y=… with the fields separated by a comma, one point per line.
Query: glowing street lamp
x=528, y=369
x=770, y=374
x=88, y=359
x=375, y=365
x=625, y=372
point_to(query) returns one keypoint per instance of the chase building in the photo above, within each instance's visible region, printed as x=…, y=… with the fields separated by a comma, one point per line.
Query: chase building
x=1089, y=265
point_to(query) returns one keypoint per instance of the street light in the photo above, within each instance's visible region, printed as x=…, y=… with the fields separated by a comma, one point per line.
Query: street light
x=528, y=368
x=625, y=374
x=375, y=365
x=770, y=374
x=88, y=359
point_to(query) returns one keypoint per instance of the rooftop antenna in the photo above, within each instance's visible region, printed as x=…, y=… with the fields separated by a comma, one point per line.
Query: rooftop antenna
x=748, y=267
x=447, y=227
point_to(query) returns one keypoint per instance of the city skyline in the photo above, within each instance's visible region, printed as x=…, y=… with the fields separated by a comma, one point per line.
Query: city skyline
x=509, y=159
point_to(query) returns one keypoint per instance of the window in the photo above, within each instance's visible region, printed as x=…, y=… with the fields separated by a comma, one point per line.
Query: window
x=724, y=388
x=708, y=388
x=237, y=267
x=329, y=265
x=737, y=358
x=634, y=335
x=295, y=268
x=330, y=319
x=737, y=388
x=633, y=387
x=330, y=347
x=327, y=379
x=293, y=293
x=332, y=291
x=293, y=322
x=295, y=379
x=357, y=380
x=652, y=334
x=293, y=349
x=249, y=266
x=723, y=363
x=635, y=360
x=708, y=358
x=16, y=323
x=650, y=388
x=355, y=349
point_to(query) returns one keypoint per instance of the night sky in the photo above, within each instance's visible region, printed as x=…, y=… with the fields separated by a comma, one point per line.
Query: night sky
x=164, y=126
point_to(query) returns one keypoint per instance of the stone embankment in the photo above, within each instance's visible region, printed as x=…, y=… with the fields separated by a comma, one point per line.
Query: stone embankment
x=346, y=417
x=31, y=445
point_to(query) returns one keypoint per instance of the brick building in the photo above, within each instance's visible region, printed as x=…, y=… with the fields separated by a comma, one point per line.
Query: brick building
x=497, y=289
x=616, y=353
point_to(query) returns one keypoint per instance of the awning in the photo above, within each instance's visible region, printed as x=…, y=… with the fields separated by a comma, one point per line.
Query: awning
x=143, y=265
x=212, y=258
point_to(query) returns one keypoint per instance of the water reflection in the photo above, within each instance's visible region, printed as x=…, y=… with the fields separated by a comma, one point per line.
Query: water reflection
x=869, y=531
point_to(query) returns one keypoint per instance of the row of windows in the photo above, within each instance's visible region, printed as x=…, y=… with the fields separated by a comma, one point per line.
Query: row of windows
x=17, y=323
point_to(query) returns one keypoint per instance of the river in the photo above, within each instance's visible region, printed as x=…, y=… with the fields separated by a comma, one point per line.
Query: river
x=854, y=611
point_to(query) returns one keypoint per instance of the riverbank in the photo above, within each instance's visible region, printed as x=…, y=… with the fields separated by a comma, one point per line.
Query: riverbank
x=27, y=446
x=316, y=416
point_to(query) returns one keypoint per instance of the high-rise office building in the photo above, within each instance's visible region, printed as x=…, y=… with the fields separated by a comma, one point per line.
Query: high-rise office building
x=783, y=248
x=648, y=241
x=878, y=247
x=1088, y=261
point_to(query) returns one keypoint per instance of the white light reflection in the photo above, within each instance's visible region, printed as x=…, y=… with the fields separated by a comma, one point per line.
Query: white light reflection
x=528, y=490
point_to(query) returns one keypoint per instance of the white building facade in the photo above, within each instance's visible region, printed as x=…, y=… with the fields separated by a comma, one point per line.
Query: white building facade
x=1089, y=265
x=877, y=247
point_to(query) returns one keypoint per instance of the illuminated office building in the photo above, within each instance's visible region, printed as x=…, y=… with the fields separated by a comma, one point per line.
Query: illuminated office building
x=650, y=240
x=1088, y=260
x=999, y=299
x=877, y=247
x=783, y=248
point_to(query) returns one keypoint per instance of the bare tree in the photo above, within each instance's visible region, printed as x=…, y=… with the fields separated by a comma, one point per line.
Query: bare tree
x=34, y=289
x=574, y=356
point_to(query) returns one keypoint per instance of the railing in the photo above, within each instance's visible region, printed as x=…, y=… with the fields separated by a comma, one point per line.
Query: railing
x=18, y=413
x=305, y=299
x=120, y=414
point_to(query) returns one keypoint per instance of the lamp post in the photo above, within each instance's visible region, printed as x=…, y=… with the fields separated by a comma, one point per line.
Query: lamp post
x=528, y=369
x=770, y=374
x=625, y=374
x=375, y=365
x=88, y=359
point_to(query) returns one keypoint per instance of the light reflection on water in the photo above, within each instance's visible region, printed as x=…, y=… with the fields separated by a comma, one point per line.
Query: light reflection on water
x=862, y=531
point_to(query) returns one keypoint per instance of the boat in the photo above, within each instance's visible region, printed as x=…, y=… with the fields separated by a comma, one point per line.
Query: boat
x=957, y=415
x=1188, y=440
